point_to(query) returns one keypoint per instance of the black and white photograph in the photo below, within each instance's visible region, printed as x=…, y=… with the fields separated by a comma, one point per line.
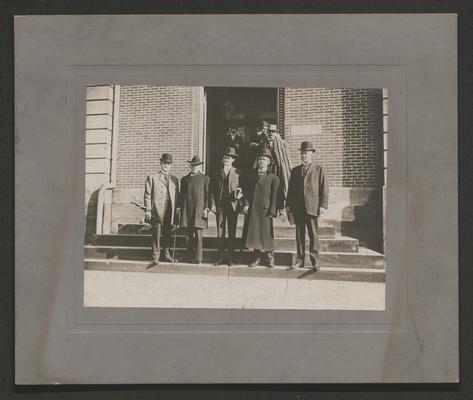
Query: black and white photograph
x=235, y=197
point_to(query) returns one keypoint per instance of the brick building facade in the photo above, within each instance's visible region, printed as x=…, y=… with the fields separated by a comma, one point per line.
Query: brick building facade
x=142, y=122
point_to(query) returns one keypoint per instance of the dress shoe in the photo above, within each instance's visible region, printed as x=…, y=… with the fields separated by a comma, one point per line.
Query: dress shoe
x=166, y=256
x=153, y=263
x=298, y=264
x=221, y=261
x=270, y=263
x=230, y=262
x=314, y=261
x=255, y=263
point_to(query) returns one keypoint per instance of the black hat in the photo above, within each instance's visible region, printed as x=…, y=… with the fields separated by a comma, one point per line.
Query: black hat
x=264, y=152
x=166, y=157
x=230, y=151
x=307, y=146
x=195, y=161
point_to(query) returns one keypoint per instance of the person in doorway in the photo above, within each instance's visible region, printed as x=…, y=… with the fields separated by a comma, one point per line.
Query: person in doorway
x=194, y=203
x=307, y=199
x=280, y=164
x=261, y=190
x=255, y=144
x=225, y=197
x=234, y=139
x=160, y=200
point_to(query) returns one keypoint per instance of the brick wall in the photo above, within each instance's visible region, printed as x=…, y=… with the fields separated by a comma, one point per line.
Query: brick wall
x=155, y=120
x=346, y=127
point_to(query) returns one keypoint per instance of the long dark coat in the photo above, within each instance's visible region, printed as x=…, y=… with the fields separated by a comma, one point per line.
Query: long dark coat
x=216, y=187
x=261, y=197
x=156, y=193
x=193, y=200
x=309, y=192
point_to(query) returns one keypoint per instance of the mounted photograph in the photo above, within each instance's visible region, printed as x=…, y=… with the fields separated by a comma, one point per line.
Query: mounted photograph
x=235, y=197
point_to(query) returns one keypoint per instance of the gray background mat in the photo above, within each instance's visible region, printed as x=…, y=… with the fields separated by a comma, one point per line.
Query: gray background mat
x=415, y=340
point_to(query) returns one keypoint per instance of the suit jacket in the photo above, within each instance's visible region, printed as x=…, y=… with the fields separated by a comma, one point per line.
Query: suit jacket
x=309, y=192
x=156, y=193
x=194, y=199
x=217, y=189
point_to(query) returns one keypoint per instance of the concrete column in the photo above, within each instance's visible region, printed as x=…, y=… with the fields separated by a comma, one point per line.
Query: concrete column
x=98, y=150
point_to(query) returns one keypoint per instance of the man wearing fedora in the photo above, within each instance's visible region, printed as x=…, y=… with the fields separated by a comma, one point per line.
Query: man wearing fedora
x=307, y=199
x=261, y=190
x=160, y=200
x=194, y=202
x=225, y=196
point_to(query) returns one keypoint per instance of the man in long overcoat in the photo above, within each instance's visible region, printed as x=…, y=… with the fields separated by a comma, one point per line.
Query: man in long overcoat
x=280, y=162
x=225, y=196
x=306, y=200
x=261, y=191
x=160, y=200
x=194, y=202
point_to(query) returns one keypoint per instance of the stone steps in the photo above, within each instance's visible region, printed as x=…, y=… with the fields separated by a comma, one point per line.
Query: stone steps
x=281, y=230
x=336, y=244
x=325, y=273
x=364, y=258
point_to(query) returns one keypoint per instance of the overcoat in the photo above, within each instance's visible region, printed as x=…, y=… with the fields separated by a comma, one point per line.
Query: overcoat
x=194, y=199
x=217, y=189
x=261, y=198
x=280, y=164
x=155, y=195
x=309, y=192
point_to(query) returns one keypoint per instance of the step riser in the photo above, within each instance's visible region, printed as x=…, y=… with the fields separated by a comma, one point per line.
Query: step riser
x=239, y=271
x=210, y=256
x=279, y=231
x=333, y=245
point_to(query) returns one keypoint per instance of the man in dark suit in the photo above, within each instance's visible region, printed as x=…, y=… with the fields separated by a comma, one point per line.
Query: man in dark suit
x=194, y=202
x=307, y=199
x=261, y=190
x=160, y=200
x=225, y=195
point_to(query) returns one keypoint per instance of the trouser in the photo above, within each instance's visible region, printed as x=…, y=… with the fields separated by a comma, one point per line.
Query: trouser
x=310, y=222
x=194, y=243
x=163, y=229
x=227, y=219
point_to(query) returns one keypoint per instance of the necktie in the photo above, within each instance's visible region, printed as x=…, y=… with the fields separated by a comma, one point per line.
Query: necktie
x=305, y=168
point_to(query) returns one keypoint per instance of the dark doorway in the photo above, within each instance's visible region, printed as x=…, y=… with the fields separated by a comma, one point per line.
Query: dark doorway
x=241, y=109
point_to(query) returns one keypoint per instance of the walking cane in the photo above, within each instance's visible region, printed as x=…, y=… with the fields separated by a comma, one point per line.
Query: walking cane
x=175, y=236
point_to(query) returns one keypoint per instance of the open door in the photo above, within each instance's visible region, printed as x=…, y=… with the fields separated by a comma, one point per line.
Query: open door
x=239, y=108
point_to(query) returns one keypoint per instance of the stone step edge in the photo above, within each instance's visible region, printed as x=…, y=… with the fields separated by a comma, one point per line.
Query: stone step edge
x=325, y=238
x=362, y=250
x=325, y=272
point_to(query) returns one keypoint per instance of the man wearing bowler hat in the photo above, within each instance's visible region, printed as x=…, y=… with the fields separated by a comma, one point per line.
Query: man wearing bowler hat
x=160, y=201
x=261, y=190
x=225, y=197
x=307, y=199
x=194, y=202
